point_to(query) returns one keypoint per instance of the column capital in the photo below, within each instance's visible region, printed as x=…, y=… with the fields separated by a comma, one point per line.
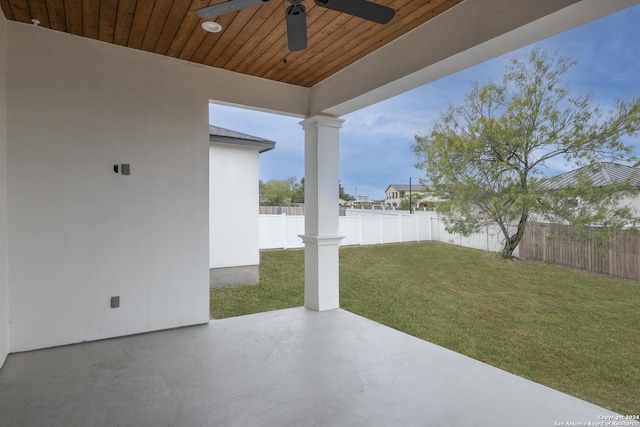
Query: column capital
x=321, y=120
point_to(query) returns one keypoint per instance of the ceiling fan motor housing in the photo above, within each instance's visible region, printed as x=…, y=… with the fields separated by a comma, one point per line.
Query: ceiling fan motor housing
x=296, y=14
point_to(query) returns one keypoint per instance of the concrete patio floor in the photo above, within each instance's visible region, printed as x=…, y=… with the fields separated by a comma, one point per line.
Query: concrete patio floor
x=292, y=367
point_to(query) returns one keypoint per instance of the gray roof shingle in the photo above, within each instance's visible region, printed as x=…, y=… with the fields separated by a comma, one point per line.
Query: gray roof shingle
x=226, y=136
x=405, y=187
x=601, y=174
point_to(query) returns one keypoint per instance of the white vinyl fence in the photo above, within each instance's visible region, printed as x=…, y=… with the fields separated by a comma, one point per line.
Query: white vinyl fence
x=281, y=231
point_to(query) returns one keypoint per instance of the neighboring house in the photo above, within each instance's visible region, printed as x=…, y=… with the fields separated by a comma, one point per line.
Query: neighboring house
x=363, y=200
x=604, y=174
x=378, y=204
x=233, y=215
x=396, y=192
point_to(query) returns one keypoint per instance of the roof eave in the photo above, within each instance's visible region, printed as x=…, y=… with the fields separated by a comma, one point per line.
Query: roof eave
x=262, y=146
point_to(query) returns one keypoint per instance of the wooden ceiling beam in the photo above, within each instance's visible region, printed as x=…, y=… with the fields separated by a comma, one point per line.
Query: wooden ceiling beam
x=157, y=19
x=124, y=21
x=204, y=53
x=73, y=12
x=107, y=23
x=408, y=19
x=20, y=11
x=186, y=29
x=141, y=18
x=6, y=8
x=57, y=17
x=171, y=26
x=38, y=10
x=90, y=18
x=262, y=26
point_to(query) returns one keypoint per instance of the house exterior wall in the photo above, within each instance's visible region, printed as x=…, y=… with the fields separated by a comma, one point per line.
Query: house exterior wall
x=233, y=214
x=393, y=196
x=80, y=233
x=632, y=202
x=4, y=276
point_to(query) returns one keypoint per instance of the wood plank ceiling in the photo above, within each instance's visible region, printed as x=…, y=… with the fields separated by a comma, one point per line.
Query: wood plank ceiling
x=253, y=41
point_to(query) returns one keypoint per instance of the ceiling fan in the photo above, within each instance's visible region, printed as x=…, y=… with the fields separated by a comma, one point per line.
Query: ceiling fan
x=296, y=17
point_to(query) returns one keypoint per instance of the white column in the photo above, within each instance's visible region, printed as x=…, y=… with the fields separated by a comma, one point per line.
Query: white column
x=321, y=239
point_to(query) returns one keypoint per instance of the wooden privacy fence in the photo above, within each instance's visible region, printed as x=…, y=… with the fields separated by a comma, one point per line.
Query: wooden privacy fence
x=550, y=243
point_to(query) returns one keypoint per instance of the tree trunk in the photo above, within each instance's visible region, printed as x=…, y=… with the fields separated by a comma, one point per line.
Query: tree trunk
x=510, y=245
x=512, y=242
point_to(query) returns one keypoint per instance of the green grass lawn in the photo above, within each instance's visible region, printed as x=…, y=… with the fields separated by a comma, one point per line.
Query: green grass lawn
x=572, y=331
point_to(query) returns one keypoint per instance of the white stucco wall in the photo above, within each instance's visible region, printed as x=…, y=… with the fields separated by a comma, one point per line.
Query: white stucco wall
x=78, y=232
x=233, y=213
x=4, y=286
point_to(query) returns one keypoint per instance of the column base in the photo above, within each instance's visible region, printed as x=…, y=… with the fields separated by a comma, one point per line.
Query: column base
x=321, y=272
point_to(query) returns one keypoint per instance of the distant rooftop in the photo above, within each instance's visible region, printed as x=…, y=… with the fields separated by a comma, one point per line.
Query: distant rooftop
x=405, y=187
x=601, y=174
x=226, y=136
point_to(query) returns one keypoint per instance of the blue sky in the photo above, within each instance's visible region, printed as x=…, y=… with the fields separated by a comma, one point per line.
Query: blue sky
x=375, y=142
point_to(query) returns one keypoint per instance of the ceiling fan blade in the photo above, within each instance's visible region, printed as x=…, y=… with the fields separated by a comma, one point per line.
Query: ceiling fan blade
x=361, y=8
x=227, y=7
x=296, y=19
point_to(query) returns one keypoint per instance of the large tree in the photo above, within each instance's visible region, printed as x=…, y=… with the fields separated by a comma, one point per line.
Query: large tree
x=278, y=192
x=286, y=191
x=343, y=194
x=488, y=156
x=297, y=190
